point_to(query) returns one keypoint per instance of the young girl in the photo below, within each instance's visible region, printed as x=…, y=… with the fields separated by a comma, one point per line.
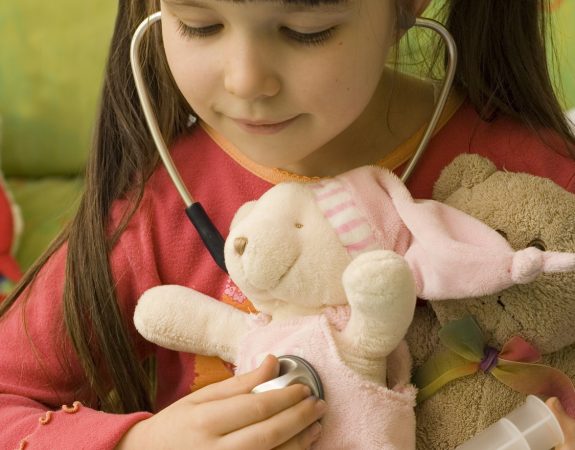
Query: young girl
x=282, y=90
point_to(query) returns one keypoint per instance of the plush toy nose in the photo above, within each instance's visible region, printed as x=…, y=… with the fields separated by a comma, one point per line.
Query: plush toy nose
x=240, y=245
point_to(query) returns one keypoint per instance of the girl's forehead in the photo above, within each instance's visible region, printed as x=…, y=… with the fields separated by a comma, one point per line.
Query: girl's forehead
x=283, y=2
x=330, y=5
x=305, y=2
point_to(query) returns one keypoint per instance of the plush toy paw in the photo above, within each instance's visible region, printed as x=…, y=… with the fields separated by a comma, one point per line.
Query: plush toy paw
x=378, y=271
x=381, y=293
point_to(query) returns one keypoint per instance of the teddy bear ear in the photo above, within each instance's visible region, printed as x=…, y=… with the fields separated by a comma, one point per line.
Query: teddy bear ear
x=465, y=171
x=242, y=212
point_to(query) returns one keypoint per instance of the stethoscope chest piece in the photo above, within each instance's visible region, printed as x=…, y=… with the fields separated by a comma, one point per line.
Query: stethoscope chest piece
x=293, y=369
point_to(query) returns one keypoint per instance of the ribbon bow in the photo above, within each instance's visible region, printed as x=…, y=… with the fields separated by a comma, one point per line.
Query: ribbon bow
x=514, y=365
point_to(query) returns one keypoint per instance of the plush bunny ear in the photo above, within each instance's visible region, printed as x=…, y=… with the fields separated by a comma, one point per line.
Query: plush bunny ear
x=467, y=170
x=242, y=212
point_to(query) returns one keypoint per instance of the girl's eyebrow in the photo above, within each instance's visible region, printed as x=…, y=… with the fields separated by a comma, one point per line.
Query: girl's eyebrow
x=328, y=4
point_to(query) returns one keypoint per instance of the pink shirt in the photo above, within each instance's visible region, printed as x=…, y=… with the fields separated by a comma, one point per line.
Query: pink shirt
x=38, y=370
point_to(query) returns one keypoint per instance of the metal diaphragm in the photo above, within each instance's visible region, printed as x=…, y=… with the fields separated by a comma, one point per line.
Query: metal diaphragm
x=293, y=369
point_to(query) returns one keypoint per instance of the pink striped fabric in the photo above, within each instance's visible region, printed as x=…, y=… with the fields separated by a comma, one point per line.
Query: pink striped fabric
x=337, y=204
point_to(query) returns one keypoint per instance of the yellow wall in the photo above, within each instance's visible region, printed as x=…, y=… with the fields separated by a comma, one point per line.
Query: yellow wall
x=51, y=67
x=564, y=19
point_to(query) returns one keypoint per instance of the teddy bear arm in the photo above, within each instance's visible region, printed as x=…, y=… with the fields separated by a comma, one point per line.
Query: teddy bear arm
x=423, y=334
x=183, y=319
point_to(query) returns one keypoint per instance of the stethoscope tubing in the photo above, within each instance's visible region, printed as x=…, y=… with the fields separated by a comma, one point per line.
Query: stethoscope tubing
x=211, y=237
x=148, y=110
x=209, y=234
x=452, y=57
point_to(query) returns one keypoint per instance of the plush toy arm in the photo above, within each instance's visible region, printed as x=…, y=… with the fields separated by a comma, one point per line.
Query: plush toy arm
x=381, y=292
x=186, y=320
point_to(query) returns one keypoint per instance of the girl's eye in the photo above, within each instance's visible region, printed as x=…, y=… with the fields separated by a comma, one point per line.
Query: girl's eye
x=311, y=39
x=198, y=32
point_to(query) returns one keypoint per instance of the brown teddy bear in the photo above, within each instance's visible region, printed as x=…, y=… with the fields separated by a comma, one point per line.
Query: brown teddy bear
x=528, y=211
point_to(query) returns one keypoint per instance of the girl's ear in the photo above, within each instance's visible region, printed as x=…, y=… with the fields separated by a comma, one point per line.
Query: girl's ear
x=408, y=11
x=415, y=7
x=419, y=6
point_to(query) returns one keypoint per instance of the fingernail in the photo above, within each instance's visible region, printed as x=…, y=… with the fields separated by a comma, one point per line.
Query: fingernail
x=557, y=404
x=267, y=358
x=315, y=431
x=320, y=406
x=306, y=390
x=314, y=434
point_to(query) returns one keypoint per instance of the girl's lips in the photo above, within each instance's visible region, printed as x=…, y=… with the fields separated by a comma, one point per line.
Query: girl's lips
x=263, y=127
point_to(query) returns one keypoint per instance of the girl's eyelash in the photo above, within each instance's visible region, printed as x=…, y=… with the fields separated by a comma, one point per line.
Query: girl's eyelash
x=310, y=39
x=198, y=32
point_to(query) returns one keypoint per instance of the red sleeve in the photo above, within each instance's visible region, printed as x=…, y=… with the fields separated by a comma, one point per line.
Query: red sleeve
x=83, y=427
x=39, y=371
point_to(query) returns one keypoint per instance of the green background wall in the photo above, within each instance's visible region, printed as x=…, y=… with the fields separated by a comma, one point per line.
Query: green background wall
x=51, y=64
x=563, y=33
x=564, y=17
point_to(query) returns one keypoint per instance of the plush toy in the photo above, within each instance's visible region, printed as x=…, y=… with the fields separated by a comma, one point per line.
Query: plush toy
x=10, y=229
x=334, y=268
x=477, y=358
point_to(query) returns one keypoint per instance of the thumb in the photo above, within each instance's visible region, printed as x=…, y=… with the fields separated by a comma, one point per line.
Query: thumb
x=565, y=421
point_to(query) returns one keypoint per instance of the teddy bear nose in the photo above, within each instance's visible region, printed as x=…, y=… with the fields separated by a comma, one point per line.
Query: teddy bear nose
x=240, y=245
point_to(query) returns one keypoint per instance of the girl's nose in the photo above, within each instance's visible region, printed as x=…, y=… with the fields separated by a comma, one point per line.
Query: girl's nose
x=250, y=73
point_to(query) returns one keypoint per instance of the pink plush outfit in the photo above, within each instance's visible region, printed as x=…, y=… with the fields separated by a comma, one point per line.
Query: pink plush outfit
x=452, y=254
x=361, y=415
x=39, y=371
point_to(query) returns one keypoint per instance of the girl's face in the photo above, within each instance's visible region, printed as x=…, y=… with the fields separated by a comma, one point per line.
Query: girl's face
x=279, y=79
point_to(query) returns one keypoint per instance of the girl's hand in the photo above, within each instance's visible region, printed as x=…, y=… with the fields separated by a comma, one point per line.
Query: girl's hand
x=567, y=424
x=226, y=415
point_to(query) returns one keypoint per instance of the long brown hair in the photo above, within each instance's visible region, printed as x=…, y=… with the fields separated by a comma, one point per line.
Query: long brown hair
x=503, y=69
x=504, y=61
x=122, y=157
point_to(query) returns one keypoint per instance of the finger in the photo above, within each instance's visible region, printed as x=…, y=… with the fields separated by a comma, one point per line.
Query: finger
x=278, y=429
x=304, y=440
x=227, y=415
x=239, y=384
x=566, y=422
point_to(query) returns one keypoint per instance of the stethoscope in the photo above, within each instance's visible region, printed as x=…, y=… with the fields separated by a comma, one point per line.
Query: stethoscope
x=291, y=367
